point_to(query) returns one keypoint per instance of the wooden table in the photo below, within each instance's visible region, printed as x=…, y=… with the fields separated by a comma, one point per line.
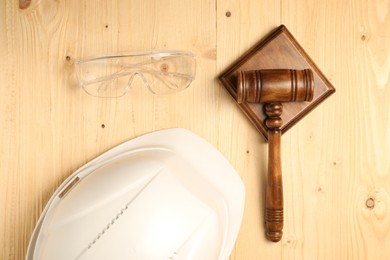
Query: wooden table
x=336, y=161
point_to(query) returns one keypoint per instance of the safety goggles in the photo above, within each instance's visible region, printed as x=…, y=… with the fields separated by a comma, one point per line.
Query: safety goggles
x=163, y=72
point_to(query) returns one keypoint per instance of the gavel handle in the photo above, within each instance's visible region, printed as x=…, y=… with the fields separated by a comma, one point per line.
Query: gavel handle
x=274, y=190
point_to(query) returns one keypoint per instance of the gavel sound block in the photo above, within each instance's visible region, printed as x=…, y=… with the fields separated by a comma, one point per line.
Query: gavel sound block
x=276, y=84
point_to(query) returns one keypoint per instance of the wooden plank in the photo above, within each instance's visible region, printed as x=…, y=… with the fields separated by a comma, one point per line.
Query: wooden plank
x=50, y=127
x=338, y=158
x=241, y=24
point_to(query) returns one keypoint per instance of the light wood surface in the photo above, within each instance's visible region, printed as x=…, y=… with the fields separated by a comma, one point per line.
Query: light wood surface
x=336, y=161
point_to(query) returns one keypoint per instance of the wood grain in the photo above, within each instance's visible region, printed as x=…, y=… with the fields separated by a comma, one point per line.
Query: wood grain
x=324, y=216
x=248, y=22
x=336, y=161
x=49, y=127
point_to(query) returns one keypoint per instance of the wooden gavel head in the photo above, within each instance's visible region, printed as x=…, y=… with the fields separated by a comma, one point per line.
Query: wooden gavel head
x=275, y=86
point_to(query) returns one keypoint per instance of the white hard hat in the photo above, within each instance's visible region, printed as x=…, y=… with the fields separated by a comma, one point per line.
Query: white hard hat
x=164, y=195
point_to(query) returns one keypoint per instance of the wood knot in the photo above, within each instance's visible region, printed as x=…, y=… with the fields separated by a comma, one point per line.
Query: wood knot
x=320, y=189
x=24, y=4
x=370, y=203
x=164, y=67
x=289, y=241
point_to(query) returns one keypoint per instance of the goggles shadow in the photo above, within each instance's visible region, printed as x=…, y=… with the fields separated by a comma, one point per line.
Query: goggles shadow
x=163, y=72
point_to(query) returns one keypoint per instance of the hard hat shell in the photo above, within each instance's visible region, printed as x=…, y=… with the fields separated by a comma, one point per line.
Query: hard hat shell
x=164, y=195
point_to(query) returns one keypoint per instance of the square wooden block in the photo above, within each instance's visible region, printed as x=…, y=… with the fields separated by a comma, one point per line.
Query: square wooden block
x=278, y=50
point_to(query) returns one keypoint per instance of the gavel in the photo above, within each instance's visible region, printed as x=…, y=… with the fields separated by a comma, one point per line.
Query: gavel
x=272, y=88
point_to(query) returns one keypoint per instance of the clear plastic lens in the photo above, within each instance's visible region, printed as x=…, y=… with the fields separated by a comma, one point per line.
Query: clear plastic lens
x=162, y=73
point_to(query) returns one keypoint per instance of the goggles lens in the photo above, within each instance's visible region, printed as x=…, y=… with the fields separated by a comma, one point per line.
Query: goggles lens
x=111, y=76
